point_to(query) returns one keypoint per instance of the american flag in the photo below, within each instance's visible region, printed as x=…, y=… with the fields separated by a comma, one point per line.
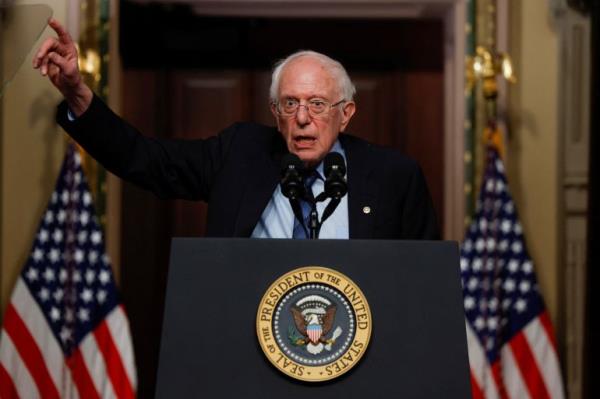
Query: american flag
x=65, y=333
x=512, y=350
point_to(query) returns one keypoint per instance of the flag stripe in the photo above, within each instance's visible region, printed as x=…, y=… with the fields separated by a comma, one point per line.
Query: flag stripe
x=81, y=376
x=475, y=388
x=513, y=380
x=480, y=371
x=16, y=369
x=37, y=325
x=476, y=354
x=7, y=388
x=119, y=329
x=116, y=371
x=498, y=380
x=527, y=365
x=545, y=320
x=69, y=390
x=545, y=356
x=96, y=366
x=30, y=353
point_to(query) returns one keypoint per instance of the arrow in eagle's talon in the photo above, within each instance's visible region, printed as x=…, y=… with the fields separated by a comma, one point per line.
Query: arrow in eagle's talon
x=336, y=334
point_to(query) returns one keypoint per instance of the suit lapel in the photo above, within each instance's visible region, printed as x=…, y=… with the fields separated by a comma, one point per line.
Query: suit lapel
x=361, y=189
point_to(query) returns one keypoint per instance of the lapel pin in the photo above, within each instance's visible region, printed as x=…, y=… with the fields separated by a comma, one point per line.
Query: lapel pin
x=366, y=210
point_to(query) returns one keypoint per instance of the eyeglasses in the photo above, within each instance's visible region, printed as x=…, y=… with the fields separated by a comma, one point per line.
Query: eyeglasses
x=315, y=107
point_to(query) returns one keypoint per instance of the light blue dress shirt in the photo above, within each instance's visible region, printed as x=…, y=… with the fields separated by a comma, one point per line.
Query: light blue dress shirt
x=277, y=220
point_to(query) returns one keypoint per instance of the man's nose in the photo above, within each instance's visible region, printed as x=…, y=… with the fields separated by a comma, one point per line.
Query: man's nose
x=302, y=115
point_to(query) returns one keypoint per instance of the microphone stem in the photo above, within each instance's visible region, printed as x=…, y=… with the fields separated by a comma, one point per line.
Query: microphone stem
x=313, y=223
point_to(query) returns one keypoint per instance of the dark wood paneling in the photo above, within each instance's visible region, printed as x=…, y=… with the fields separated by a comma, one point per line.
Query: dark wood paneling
x=420, y=127
x=145, y=233
x=372, y=120
x=202, y=104
x=259, y=95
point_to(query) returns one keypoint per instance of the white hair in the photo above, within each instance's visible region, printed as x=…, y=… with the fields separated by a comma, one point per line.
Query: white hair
x=337, y=70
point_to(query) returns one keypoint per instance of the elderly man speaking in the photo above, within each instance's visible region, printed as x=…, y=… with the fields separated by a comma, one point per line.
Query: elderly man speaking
x=238, y=171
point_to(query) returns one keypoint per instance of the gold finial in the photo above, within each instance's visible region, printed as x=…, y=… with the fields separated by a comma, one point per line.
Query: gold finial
x=485, y=66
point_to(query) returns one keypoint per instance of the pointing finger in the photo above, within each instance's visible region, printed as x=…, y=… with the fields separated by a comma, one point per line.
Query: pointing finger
x=63, y=35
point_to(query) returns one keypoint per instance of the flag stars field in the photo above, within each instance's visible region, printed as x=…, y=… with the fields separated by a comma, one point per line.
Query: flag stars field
x=43, y=236
x=506, y=226
x=79, y=256
x=104, y=277
x=54, y=314
x=32, y=274
x=61, y=217
x=93, y=257
x=54, y=255
x=521, y=305
x=64, y=197
x=65, y=334
x=509, y=285
x=37, y=255
x=477, y=264
x=58, y=295
x=49, y=275
x=44, y=294
x=49, y=217
x=82, y=237
x=90, y=276
x=96, y=237
x=87, y=295
x=469, y=303
x=57, y=236
x=69, y=315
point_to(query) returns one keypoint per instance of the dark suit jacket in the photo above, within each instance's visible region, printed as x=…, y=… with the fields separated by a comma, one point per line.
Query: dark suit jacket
x=237, y=171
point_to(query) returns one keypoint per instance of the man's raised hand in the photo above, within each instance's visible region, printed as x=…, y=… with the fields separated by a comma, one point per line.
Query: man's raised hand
x=57, y=59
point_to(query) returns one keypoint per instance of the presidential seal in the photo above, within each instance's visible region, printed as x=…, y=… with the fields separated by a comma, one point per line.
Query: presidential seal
x=314, y=324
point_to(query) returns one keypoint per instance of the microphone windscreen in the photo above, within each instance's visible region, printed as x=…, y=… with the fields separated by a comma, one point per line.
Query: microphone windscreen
x=290, y=161
x=334, y=160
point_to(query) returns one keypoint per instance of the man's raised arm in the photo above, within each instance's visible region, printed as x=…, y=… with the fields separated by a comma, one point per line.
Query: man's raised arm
x=57, y=59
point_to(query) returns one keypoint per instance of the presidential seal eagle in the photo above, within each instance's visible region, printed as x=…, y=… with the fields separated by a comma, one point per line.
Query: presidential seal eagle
x=314, y=316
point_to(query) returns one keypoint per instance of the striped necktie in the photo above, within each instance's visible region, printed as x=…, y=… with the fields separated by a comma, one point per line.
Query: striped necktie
x=300, y=231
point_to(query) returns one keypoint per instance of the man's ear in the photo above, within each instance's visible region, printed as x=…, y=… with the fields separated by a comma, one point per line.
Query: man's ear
x=347, y=111
x=275, y=115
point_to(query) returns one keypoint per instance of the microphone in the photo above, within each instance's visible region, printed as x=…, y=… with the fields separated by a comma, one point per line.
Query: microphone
x=292, y=182
x=335, y=175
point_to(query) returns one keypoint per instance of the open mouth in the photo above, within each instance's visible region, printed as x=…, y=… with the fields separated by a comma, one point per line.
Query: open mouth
x=304, y=143
x=304, y=139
